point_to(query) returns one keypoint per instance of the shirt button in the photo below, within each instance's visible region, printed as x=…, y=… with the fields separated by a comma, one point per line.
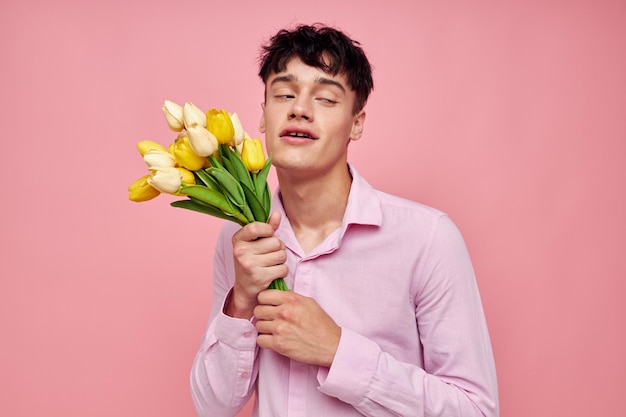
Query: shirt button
x=244, y=374
x=247, y=334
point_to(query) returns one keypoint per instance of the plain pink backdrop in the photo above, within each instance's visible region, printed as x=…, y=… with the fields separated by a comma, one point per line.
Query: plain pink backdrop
x=510, y=116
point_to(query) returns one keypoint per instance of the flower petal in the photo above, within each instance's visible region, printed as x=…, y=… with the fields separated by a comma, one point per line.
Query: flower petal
x=202, y=141
x=193, y=116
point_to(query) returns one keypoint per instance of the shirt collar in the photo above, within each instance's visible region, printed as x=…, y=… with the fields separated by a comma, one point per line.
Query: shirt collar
x=363, y=208
x=363, y=203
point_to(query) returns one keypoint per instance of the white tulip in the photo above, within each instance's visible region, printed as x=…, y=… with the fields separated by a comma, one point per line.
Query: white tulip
x=158, y=158
x=203, y=142
x=193, y=116
x=174, y=115
x=239, y=132
x=165, y=179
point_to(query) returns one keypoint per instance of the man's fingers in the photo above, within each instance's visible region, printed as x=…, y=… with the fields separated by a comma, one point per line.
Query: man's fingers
x=244, y=245
x=266, y=246
x=274, y=220
x=275, y=297
x=263, y=313
x=254, y=231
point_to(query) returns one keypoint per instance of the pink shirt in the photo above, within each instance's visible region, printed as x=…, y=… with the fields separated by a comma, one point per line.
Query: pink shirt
x=398, y=279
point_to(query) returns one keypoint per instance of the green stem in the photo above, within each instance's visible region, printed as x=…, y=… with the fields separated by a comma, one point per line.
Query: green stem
x=278, y=284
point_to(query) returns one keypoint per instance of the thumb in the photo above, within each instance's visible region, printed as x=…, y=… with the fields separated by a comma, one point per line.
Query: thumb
x=274, y=220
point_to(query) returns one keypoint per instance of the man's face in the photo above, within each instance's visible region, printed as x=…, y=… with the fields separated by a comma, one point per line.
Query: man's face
x=308, y=120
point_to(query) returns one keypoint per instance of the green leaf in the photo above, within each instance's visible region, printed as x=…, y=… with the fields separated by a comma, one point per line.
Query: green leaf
x=207, y=180
x=261, y=177
x=222, y=151
x=210, y=197
x=197, y=205
x=267, y=199
x=240, y=171
x=214, y=162
x=248, y=213
x=259, y=212
x=230, y=185
x=228, y=165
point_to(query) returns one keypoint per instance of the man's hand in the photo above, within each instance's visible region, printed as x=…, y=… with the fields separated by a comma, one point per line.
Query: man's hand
x=259, y=259
x=296, y=326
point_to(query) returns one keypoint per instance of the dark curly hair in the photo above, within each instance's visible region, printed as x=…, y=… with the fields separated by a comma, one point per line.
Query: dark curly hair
x=321, y=47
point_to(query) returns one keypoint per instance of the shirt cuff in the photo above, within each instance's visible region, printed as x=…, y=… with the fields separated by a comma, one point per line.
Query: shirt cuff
x=234, y=332
x=351, y=373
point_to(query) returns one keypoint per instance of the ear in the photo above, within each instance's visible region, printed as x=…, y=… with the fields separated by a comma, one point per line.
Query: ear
x=262, y=121
x=357, y=126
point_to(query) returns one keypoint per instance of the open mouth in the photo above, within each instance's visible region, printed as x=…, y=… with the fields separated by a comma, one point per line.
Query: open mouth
x=300, y=134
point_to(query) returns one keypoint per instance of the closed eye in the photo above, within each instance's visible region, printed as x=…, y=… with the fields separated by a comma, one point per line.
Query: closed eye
x=327, y=100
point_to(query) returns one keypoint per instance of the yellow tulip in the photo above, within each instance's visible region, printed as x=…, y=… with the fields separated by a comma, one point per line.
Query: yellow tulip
x=202, y=141
x=165, y=179
x=186, y=176
x=158, y=158
x=140, y=190
x=170, y=148
x=219, y=123
x=174, y=115
x=252, y=154
x=193, y=116
x=146, y=146
x=185, y=156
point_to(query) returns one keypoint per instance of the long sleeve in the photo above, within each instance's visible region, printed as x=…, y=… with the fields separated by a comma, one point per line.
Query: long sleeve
x=457, y=377
x=224, y=370
x=397, y=278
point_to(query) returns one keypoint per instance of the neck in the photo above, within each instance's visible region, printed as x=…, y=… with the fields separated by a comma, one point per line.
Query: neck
x=315, y=206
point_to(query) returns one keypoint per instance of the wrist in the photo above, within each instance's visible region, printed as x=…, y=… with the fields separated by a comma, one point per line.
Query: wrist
x=236, y=308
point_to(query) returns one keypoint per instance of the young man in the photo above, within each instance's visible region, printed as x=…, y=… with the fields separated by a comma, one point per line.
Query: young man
x=384, y=317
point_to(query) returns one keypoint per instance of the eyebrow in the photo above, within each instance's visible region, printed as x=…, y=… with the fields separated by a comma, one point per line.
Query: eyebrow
x=320, y=80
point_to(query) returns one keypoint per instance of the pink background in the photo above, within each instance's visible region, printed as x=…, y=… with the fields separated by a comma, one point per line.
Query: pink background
x=510, y=117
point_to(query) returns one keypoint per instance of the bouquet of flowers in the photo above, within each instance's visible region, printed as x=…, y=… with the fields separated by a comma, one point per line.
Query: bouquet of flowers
x=213, y=163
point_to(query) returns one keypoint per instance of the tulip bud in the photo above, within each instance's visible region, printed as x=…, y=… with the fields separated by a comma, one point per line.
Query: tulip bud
x=140, y=190
x=193, y=116
x=165, y=179
x=146, y=146
x=186, y=176
x=240, y=145
x=174, y=115
x=252, y=154
x=157, y=158
x=239, y=133
x=202, y=141
x=185, y=156
x=219, y=123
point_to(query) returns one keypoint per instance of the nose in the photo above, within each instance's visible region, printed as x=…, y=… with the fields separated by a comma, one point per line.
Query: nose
x=301, y=109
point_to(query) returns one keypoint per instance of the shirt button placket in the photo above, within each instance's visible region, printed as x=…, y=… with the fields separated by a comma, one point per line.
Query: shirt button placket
x=302, y=278
x=298, y=371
